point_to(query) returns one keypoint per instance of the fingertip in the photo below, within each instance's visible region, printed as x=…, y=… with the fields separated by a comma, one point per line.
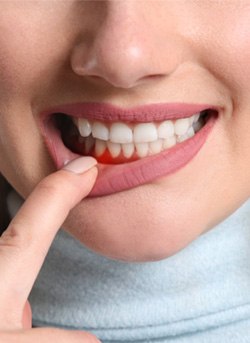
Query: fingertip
x=80, y=165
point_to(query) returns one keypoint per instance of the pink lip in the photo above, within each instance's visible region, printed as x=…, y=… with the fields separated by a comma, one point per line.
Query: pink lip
x=119, y=177
x=146, y=113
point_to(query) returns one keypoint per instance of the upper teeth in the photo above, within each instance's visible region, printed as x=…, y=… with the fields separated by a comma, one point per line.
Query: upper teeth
x=123, y=133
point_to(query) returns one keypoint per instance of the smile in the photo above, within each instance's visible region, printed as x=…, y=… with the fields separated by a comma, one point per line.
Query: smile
x=133, y=146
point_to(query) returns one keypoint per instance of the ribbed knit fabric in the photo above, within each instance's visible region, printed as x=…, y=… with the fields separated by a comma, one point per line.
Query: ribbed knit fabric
x=200, y=295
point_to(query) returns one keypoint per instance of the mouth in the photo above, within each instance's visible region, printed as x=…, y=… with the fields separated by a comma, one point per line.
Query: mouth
x=132, y=147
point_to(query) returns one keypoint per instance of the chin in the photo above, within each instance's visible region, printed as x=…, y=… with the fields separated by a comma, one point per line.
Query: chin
x=130, y=241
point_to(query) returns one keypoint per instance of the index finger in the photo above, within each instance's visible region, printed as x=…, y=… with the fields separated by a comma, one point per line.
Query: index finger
x=25, y=243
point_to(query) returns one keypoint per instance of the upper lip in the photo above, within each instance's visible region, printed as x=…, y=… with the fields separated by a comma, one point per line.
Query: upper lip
x=144, y=113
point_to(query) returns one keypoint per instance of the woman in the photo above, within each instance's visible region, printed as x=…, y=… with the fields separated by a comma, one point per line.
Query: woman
x=158, y=95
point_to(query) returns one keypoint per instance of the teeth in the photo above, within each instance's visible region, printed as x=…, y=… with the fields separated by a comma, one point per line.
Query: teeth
x=196, y=117
x=141, y=133
x=142, y=149
x=169, y=142
x=181, y=126
x=84, y=127
x=190, y=132
x=198, y=125
x=100, y=147
x=155, y=147
x=89, y=143
x=191, y=120
x=144, y=133
x=128, y=149
x=100, y=131
x=166, y=129
x=120, y=133
x=114, y=148
x=182, y=138
x=143, y=138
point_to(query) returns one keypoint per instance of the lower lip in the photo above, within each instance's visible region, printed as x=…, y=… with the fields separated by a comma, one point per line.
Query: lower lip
x=116, y=178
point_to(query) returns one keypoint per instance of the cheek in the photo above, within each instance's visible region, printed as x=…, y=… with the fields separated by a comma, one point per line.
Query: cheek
x=228, y=48
x=229, y=51
x=22, y=157
x=16, y=63
x=25, y=73
x=31, y=49
x=240, y=46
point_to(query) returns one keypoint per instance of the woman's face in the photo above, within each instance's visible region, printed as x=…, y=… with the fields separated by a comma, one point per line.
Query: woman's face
x=119, y=60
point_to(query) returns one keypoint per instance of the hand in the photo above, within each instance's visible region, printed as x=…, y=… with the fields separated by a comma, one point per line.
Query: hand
x=24, y=246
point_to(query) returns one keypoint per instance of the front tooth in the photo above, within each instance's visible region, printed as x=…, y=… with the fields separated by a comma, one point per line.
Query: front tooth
x=128, y=149
x=120, y=133
x=142, y=149
x=156, y=146
x=84, y=127
x=181, y=126
x=166, y=129
x=145, y=132
x=100, y=147
x=114, y=148
x=100, y=131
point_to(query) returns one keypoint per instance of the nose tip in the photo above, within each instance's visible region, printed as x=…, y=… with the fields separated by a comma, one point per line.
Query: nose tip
x=121, y=66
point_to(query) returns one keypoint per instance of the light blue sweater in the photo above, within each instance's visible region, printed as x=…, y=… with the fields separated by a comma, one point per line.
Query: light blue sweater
x=200, y=295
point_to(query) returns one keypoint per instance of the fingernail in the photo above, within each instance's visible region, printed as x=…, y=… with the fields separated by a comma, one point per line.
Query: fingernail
x=80, y=165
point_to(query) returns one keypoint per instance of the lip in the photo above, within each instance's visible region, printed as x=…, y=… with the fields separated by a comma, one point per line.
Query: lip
x=120, y=177
x=146, y=113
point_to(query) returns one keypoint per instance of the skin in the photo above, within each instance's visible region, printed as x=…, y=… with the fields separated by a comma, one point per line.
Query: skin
x=121, y=52
x=24, y=245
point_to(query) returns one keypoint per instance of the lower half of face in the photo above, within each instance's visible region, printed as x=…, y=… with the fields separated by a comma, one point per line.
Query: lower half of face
x=156, y=218
x=159, y=218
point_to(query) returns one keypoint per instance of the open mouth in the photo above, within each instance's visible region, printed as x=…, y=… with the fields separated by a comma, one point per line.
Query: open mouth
x=124, y=142
x=129, y=152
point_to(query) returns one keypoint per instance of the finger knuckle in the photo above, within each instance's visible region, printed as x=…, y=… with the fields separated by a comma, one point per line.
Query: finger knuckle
x=13, y=239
